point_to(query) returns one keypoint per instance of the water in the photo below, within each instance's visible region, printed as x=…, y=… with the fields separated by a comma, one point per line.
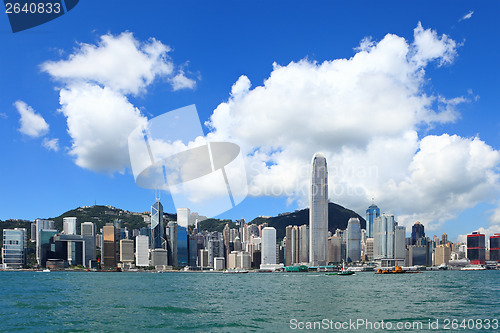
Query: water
x=214, y=302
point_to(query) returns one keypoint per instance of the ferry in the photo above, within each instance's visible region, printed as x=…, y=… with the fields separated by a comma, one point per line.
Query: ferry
x=235, y=271
x=473, y=268
x=396, y=270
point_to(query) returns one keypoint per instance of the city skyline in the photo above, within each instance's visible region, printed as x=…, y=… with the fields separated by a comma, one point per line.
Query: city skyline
x=422, y=138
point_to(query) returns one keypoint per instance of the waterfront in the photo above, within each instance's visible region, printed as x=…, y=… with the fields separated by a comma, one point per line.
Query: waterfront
x=81, y=301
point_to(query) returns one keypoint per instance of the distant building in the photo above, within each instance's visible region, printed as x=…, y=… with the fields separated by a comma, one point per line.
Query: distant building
x=417, y=232
x=442, y=255
x=476, y=248
x=353, y=240
x=108, y=251
x=69, y=225
x=303, y=244
x=88, y=231
x=371, y=214
x=268, y=246
x=219, y=263
x=14, y=248
x=142, y=251
x=42, y=225
x=420, y=255
x=389, y=243
x=203, y=259
x=183, y=217
x=369, y=249
x=157, y=229
x=334, y=249
x=495, y=247
x=318, y=211
x=159, y=257
x=126, y=251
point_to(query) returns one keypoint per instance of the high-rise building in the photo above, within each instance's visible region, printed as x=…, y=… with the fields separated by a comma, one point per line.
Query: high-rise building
x=108, y=251
x=371, y=214
x=142, y=251
x=444, y=239
x=69, y=225
x=288, y=244
x=318, y=211
x=417, y=232
x=495, y=247
x=334, y=249
x=442, y=255
x=476, y=248
x=171, y=238
x=183, y=217
x=88, y=232
x=369, y=249
x=126, y=251
x=14, y=247
x=157, y=228
x=268, y=246
x=303, y=244
x=42, y=225
x=389, y=242
x=399, y=242
x=353, y=240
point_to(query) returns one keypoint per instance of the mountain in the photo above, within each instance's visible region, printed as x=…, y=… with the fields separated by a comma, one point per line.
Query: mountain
x=338, y=217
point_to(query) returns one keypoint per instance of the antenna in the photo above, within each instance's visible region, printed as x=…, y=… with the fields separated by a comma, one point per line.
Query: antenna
x=157, y=194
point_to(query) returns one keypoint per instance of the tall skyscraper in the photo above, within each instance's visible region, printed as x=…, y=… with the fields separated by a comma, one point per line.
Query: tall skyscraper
x=353, y=240
x=142, y=251
x=318, y=212
x=88, y=232
x=495, y=247
x=42, y=225
x=303, y=244
x=476, y=251
x=183, y=217
x=268, y=246
x=389, y=242
x=108, y=251
x=371, y=214
x=14, y=247
x=417, y=232
x=157, y=228
x=69, y=225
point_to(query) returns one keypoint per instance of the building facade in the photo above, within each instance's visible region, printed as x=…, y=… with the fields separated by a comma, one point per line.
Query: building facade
x=318, y=212
x=14, y=248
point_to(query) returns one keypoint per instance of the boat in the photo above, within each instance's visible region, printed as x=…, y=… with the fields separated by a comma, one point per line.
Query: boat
x=396, y=270
x=473, y=268
x=235, y=271
x=342, y=271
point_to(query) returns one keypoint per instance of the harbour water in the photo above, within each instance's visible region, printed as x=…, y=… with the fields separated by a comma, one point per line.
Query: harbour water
x=267, y=302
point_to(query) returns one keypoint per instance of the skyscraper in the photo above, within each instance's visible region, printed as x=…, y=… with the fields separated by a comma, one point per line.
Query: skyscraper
x=268, y=246
x=318, y=212
x=476, y=251
x=353, y=240
x=417, y=232
x=183, y=217
x=14, y=247
x=142, y=251
x=371, y=214
x=108, y=251
x=69, y=225
x=495, y=247
x=88, y=232
x=157, y=228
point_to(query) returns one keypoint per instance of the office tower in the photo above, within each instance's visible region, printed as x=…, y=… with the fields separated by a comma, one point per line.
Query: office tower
x=157, y=228
x=288, y=246
x=43, y=244
x=334, y=249
x=442, y=254
x=304, y=244
x=219, y=263
x=33, y=232
x=69, y=225
x=42, y=225
x=215, y=246
x=495, y=247
x=227, y=239
x=417, y=232
x=192, y=251
x=183, y=217
x=14, y=247
x=126, y=251
x=371, y=214
x=318, y=212
x=353, y=245
x=142, y=251
x=159, y=257
x=108, y=251
x=203, y=259
x=88, y=231
x=295, y=244
x=182, y=247
x=268, y=246
x=420, y=255
x=369, y=249
x=244, y=260
x=476, y=248
x=262, y=226
x=399, y=242
x=233, y=260
x=253, y=230
x=237, y=244
x=171, y=241
x=444, y=239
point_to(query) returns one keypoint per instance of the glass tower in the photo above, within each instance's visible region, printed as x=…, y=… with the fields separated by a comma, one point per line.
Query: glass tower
x=157, y=228
x=318, y=212
x=371, y=214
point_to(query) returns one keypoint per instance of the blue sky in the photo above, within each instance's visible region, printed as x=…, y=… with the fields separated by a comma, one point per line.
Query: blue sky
x=213, y=43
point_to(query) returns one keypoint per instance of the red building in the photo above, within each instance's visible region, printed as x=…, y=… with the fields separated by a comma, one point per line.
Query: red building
x=495, y=247
x=476, y=251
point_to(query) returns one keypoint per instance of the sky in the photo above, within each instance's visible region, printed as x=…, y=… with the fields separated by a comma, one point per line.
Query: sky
x=401, y=98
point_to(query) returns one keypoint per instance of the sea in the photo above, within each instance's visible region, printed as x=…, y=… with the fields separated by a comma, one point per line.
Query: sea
x=433, y=301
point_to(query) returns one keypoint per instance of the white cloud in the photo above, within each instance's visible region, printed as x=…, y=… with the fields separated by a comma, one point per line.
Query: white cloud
x=365, y=114
x=51, y=144
x=97, y=80
x=32, y=123
x=3, y=115
x=180, y=81
x=99, y=122
x=467, y=16
x=119, y=62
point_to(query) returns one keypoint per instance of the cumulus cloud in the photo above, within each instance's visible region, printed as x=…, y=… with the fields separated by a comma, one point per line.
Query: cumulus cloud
x=366, y=114
x=467, y=16
x=32, y=123
x=51, y=144
x=97, y=80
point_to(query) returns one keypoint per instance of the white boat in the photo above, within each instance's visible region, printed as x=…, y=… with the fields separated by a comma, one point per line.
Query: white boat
x=473, y=268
